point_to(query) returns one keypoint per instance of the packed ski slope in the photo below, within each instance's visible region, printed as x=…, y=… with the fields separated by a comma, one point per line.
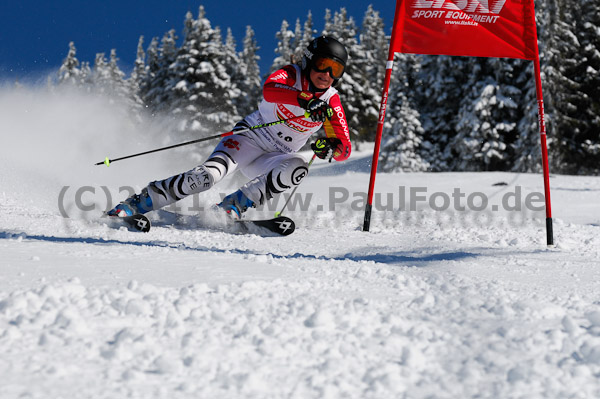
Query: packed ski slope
x=443, y=298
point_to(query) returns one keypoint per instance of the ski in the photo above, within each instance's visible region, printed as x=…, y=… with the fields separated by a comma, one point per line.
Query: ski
x=281, y=225
x=137, y=222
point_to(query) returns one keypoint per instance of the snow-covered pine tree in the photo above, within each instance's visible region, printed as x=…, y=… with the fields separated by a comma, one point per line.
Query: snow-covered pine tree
x=403, y=133
x=138, y=75
x=328, y=26
x=438, y=91
x=306, y=36
x=234, y=69
x=139, y=72
x=86, y=77
x=352, y=85
x=249, y=81
x=309, y=31
x=108, y=79
x=101, y=77
x=487, y=117
x=509, y=107
x=203, y=90
x=526, y=149
x=69, y=72
x=588, y=32
x=375, y=46
x=157, y=88
x=285, y=50
x=151, y=62
x=565, y=99
x=296, y=43
x=119, y=86
x=152, y=58
x=372, y=64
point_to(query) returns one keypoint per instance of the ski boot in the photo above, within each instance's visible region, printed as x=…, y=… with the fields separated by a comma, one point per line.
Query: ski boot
x=137, y=204
x=236, y=203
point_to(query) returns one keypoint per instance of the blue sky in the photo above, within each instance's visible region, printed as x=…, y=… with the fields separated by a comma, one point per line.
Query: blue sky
x=34, y=35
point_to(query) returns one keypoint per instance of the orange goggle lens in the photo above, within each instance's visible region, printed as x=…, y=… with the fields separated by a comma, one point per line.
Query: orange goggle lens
x=335, y=69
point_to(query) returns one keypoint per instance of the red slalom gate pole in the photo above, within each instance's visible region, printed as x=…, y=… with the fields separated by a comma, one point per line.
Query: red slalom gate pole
x=382, y=108
x=375, y=161
x=544, y=145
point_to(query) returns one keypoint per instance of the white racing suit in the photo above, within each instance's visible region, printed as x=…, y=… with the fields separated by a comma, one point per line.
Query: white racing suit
x=267, y=155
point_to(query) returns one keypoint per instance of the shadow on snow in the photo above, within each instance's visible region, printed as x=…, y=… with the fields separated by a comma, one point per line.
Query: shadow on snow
x=385, y=258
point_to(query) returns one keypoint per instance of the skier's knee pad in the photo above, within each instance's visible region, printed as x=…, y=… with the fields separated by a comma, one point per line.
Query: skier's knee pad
x=198, y=179
x=294, y=170
x=175, y=188
x=283, y=177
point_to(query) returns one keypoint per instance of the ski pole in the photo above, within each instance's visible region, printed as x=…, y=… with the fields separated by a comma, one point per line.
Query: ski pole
x=108, y=161
x=277, y=214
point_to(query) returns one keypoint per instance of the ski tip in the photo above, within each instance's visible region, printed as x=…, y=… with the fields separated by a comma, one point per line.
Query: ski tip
x=279, y=226
x=284, y=225
x=138, y=222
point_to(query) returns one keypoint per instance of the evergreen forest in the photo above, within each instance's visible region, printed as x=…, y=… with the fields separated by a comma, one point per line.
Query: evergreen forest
x=444, y=113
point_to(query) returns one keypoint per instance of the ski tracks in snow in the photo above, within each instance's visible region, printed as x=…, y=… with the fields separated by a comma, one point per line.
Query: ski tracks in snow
x=406, y=313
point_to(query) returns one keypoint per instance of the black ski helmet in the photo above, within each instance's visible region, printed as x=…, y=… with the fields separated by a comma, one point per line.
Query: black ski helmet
x=324, y=46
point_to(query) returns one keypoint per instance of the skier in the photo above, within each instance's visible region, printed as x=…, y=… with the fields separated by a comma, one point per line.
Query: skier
x=268, y=155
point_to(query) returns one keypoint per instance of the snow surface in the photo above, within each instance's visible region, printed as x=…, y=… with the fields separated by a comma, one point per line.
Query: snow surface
x=428, y=304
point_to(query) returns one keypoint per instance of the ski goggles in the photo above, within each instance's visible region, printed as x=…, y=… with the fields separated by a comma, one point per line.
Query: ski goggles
x=323, y=64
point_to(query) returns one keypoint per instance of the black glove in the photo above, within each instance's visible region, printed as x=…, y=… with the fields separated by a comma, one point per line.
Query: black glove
x=318, y=110
x=325, y=148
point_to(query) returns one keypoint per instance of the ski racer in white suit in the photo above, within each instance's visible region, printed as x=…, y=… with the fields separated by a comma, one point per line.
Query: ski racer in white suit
x=268, y=155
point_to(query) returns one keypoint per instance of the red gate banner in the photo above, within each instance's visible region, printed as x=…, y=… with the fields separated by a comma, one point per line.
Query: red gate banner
x=477, y=28
x=473, y=28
